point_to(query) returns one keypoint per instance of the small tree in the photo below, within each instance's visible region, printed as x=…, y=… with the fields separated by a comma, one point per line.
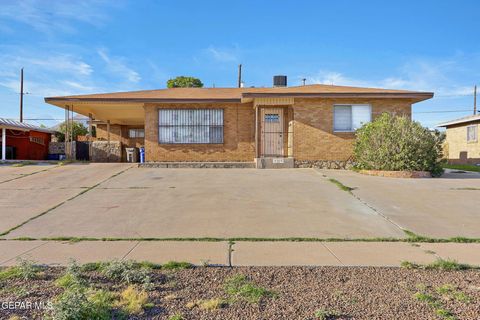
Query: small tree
x=398, y=144
x=77, y=127
x=184, y=82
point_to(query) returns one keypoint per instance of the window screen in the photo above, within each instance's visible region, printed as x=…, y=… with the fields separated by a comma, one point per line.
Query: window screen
x=136, y=133
x=342, y=118
x=190, y=125
x=351, y=117
x=472, y=133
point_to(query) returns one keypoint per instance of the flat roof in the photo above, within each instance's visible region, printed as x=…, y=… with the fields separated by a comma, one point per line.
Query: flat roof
x=17, y=125
x=472, y=118
x=237, y=94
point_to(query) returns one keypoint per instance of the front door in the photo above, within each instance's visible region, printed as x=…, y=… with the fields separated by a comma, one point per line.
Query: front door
x=271, y=132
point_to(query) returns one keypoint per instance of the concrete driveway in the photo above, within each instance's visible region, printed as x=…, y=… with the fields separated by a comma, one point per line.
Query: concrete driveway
x=123, y=201
x=440, y=207
x=166, y=203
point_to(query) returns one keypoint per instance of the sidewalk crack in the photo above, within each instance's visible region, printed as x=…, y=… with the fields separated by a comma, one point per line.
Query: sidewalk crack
x=333, y=254
x=130, y=251
x=23, y=253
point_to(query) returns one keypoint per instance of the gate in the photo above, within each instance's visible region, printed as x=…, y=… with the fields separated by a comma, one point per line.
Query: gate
x=272, y=132
x=82, y=150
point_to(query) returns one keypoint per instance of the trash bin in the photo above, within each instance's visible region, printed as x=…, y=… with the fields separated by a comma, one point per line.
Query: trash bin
x=142, y=154
x=131, y=154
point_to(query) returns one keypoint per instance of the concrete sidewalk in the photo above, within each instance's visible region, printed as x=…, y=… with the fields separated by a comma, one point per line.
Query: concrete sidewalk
x=245, y=253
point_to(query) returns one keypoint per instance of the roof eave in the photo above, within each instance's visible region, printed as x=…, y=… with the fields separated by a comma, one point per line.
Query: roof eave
x=453, y=123
x=407, y=95
x=53, y=100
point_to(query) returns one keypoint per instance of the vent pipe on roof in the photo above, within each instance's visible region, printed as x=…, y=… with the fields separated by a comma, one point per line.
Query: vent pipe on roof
x=240, y=76
x=279, y=81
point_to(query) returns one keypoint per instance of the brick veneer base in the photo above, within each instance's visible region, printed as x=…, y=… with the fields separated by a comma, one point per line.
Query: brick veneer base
x=324, y=164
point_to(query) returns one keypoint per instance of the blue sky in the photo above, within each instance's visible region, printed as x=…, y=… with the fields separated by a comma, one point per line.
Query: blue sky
x=87, y=46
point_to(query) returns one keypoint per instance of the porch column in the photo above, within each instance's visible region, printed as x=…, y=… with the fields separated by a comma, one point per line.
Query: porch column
x=257, y=152
x=90, y=138
x=4, y=144
x=108, y=139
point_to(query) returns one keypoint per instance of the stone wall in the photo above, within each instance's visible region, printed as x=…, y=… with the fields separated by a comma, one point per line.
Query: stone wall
x=324, y=164
x=103, y=151
x=56, y=148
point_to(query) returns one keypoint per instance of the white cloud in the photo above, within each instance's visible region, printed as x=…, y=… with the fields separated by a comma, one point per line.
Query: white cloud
x=117, y=65
x=45, y=74
x=223, y=54
x=441, y=77
x=55, y=15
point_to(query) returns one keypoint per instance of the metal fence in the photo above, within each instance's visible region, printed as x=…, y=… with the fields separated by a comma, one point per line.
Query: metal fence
x=190, y=126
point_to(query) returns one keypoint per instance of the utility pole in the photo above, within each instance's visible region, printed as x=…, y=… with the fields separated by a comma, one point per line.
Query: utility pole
x=21, y=95
x=475, y=100
x=240, y=75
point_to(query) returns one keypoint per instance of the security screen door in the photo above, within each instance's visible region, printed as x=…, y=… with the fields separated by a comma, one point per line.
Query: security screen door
x=271, y=132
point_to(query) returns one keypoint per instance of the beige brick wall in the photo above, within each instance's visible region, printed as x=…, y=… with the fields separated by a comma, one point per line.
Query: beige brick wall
x=458, y=149
x=239, y=136
x=313, y=134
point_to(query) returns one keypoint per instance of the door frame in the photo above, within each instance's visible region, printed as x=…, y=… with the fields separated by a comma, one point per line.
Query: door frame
x=272, y=140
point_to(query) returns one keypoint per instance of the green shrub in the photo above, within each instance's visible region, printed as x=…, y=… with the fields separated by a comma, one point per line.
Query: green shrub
x=175, y=265
x=9, y=273
x=27, y=269
x=238, y=287
x=323, y=314
x=133, y=301
x=80, y=303
x=127, y=272
x=67, y=281
x=398, y=144
x=92, y=266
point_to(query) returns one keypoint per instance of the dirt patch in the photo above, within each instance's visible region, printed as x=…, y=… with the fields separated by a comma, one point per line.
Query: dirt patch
x=298, y=293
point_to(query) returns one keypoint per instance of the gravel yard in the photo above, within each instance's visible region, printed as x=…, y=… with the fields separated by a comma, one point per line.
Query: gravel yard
x=282, y=293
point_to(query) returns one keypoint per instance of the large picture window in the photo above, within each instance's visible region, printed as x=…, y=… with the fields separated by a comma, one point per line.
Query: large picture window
x=190, y=125
x=348, y=118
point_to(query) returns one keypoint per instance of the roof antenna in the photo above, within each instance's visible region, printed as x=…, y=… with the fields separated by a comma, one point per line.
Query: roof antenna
x=240, y=75
x=21, y=95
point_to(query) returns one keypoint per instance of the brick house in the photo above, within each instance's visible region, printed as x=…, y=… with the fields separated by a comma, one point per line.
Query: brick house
x=311, y=125
x=462, y=145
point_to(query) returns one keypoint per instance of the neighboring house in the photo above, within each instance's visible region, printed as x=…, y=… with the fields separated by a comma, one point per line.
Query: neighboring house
x=23, y=141
x=313, y=124
x=462, y=144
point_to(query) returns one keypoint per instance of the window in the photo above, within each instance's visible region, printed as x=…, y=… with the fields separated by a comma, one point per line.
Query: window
x=348, y=118
x=37, y=140
x=136, y=133
x=190, y=125
x=472, y=133
x=272, y=117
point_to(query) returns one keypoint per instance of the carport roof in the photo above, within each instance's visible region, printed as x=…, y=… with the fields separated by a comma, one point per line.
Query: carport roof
x=16, y=125
x=240, y=94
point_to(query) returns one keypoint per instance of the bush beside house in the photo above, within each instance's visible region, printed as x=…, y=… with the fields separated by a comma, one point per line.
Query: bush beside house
x=392, y=143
